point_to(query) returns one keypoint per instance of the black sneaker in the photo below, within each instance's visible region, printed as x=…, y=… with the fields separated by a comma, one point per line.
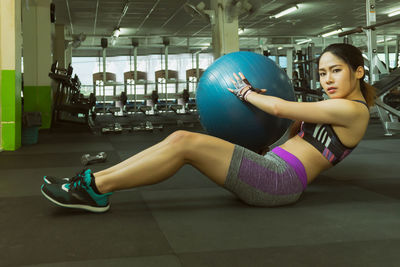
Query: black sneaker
x=57, y=180
x=78, y=193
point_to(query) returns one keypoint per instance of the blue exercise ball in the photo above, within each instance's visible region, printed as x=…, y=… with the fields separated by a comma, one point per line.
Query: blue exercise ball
x=224, y=115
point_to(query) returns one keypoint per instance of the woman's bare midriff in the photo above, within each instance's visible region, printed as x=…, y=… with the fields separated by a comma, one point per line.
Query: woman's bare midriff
x=313, y=161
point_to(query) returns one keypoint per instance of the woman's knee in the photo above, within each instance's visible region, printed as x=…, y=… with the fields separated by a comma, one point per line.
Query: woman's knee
x=182, y=139
x=178, y=136
x=184, y=142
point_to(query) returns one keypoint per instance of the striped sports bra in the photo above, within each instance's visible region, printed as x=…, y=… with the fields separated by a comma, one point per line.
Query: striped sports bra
x=325, y=140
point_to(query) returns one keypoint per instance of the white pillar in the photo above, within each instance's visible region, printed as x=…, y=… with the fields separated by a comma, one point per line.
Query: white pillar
x=68, y=55
x=396, y=52
x=59, y=46
x=289, y=59
x=37, y=51
x=371, y=40
x=10, y=74
x=225, y=37
x=386, y=50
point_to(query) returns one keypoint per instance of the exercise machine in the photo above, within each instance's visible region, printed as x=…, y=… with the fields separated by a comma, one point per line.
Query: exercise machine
x=69, y=104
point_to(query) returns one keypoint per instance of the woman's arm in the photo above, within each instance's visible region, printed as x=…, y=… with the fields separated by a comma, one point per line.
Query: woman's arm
x=334, y=111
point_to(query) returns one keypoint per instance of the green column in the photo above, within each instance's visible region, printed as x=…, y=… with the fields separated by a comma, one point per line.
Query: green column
x=10, y=74
x=37, y=52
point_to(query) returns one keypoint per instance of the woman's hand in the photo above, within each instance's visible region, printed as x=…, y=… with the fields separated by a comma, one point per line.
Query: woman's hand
x=243, y=87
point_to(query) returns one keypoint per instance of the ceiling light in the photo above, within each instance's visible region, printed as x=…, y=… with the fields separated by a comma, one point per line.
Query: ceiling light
x=394, y=13
x=125, y=9
x=113, y=40
x=332, y=33
x=116, y=33
x=299, y=42
x=333, y=25
x=383, y=40
x=285, y=12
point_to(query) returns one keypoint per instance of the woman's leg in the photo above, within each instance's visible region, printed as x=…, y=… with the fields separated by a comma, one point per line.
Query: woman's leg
x=210, y=155
x=128, y=161
x=134, y=158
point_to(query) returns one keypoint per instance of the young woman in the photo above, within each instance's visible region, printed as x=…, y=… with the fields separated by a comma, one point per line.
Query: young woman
x=329, y=131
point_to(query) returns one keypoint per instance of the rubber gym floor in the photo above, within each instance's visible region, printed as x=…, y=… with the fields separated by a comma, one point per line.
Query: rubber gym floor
x=350, y=216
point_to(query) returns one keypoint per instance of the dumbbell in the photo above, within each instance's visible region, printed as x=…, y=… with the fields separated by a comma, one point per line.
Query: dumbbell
x=89, y=159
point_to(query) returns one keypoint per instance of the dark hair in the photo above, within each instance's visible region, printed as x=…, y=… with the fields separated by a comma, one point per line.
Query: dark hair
x=353, y=58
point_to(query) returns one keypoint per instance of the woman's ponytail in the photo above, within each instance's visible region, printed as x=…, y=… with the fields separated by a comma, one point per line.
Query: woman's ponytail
x=294, y=129
x=369, y=92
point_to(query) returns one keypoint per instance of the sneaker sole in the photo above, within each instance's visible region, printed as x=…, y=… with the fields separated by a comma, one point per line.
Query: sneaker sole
x=76, y=206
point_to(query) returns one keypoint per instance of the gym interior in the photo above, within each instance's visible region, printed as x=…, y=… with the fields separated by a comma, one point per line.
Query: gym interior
x=89, y=83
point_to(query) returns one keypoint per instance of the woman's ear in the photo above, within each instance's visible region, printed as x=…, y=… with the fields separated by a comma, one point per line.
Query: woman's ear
x=360, y=72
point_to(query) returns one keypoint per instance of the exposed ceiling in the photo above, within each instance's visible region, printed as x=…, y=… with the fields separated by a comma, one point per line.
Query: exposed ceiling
x=149, y=21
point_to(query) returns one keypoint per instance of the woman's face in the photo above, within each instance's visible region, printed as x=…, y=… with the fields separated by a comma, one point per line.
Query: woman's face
x=337, y=78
